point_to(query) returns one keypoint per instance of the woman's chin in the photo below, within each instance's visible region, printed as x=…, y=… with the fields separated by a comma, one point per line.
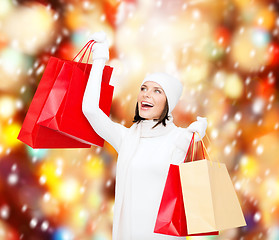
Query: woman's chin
x=146, y=116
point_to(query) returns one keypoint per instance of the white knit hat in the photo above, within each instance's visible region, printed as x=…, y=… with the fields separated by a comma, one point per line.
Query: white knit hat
x=171, y=86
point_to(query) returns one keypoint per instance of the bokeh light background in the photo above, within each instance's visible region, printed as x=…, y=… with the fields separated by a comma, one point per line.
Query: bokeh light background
x=226, y=53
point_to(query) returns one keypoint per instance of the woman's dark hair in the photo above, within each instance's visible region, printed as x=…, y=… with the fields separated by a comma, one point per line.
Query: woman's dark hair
x=162, y=119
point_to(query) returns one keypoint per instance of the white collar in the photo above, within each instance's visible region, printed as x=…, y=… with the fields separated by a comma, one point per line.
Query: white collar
x=147, y=131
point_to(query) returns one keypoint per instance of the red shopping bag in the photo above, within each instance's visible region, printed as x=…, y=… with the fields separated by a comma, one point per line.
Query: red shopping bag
x=171, y=218
x=37, y=136
x=62, y=111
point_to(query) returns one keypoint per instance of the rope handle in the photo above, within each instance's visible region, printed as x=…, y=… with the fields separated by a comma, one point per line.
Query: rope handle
x=189, y=148
x=191, y=145
x=203, y=147
x=193, y=148
x=87, y=45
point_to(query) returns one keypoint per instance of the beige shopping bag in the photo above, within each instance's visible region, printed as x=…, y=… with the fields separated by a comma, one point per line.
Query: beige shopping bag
x=210, y=200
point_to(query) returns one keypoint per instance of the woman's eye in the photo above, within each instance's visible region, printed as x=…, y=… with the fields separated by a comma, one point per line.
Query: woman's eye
x=157, y=91
x=143, y=89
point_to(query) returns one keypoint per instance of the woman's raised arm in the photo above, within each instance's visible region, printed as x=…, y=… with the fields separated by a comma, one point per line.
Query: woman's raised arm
x=107, y=129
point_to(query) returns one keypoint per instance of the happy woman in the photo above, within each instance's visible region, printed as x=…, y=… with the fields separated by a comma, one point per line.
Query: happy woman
x=145, y=150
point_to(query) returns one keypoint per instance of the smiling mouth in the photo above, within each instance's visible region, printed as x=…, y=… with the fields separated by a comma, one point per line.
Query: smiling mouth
x=146, y=105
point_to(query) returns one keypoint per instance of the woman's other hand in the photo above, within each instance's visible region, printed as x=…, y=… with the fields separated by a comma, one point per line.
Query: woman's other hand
x=100, y=48
x=198, y=126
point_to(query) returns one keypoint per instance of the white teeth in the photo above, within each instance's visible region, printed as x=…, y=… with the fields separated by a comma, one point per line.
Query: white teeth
x=146, y=103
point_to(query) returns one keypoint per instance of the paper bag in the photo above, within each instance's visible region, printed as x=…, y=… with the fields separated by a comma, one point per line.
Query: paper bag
x=37, y=136
x=209, y=197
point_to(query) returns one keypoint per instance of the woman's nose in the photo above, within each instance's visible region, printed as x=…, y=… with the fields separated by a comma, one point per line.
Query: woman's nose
x=146, y=94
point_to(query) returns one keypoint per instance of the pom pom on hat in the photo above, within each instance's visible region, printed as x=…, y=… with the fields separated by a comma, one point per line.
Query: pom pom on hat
x=171, y=86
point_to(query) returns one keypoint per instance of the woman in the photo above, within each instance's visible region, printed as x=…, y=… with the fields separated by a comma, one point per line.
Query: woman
x=145, y=150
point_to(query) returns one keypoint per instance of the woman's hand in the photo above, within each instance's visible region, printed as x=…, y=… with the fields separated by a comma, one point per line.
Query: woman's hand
x=198, y=126
x=100, y=48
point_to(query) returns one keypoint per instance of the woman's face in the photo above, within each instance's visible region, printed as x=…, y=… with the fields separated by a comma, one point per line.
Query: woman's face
x=151, y=100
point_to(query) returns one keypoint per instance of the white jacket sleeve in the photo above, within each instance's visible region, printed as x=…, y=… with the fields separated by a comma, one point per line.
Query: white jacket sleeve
x=110, y=131
x=184, y=138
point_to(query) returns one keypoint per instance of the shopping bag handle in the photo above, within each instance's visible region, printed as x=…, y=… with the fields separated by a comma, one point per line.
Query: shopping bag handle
x=192, y=146
x=87, y=45
x=202, y=146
